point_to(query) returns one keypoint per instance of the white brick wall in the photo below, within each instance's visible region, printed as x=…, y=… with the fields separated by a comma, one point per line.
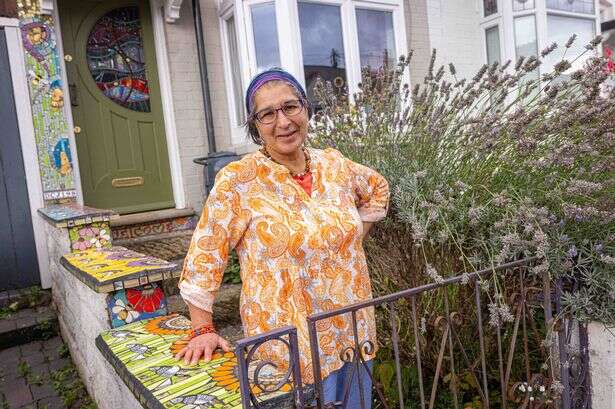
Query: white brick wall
x=187, y=95
x=455, y=32
x=417, y=32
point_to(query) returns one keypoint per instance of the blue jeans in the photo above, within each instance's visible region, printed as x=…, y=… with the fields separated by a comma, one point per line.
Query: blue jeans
x=333, y=386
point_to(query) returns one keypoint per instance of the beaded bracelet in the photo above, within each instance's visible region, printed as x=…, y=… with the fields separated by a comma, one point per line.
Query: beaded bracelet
x=203, y=329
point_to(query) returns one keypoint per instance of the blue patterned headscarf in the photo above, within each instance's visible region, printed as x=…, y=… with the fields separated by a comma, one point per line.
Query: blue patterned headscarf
x=272, y=74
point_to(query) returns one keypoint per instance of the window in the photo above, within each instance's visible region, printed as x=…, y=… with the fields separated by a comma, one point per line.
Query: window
x=559, y=30
x=492, y=40
x=575, y=6
x=327, y=39
x=490, y=7
x=322, y=45
x=265, y=31
x=235, y=71
x=525, y=38
x=521, y=5
x=376, y=39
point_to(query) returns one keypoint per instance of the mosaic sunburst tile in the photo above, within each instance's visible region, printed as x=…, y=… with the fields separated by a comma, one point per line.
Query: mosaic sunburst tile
x=143, y=353
x=116, y=268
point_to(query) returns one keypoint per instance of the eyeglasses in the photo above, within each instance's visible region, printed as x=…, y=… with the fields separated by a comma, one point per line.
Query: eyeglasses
x=269, y=115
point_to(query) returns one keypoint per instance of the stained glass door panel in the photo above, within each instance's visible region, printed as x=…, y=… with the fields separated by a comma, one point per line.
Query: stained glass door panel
x=115, y=57
x=116, y=102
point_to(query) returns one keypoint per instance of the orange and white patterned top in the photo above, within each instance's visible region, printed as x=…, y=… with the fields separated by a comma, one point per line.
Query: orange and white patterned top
x=299, y=254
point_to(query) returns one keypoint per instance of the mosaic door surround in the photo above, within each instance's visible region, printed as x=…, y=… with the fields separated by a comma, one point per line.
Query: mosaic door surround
x=116, y=103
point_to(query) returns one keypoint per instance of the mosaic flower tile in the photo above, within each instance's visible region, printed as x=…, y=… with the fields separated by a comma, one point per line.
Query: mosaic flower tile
x=136, y=304
x=115, y=268
x=95, y=235
x=143, y=353
x=72, y=214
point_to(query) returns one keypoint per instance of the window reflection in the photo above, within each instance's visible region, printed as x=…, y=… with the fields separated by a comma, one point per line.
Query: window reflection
x=576, y=6
x=492, y=38
x=322, y=46
x=525, y=39
x=490, y=7
x=264, y=27
x=376, y=40
x=235, y=72
x=559, y=30
x=520, y=5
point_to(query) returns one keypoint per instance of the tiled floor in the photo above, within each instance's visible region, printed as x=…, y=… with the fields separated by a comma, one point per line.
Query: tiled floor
x=27, y=372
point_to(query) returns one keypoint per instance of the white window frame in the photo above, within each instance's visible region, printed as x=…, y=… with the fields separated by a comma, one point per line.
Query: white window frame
x=505, y=18
x=489, y=25
x=289, y=42
x=238, y=134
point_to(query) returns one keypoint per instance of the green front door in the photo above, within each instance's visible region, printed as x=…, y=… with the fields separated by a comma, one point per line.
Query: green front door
x=116, y=105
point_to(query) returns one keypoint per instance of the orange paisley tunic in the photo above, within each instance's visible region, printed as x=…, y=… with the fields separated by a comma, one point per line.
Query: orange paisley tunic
x=299, y=254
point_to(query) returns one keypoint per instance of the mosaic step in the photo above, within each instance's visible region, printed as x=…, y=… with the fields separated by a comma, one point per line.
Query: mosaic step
x=110, y=269
x=142, y=353
x=72, y=214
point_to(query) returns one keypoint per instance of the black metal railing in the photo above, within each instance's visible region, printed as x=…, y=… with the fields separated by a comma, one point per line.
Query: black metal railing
x=529, y=355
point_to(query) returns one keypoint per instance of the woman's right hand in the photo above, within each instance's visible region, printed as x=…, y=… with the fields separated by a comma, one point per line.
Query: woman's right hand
x=202, y=346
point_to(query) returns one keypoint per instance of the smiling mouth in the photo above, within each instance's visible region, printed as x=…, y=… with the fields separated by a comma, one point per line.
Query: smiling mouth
x=287, y=135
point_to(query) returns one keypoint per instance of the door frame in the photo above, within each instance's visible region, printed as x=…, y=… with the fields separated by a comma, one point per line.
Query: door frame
x=166, y=96
x=34, y=185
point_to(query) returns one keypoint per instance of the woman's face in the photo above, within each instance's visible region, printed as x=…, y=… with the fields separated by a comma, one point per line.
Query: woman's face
x=285, y=135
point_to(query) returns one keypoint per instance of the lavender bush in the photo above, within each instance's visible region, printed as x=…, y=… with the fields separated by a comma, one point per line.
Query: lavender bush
x=499, y=167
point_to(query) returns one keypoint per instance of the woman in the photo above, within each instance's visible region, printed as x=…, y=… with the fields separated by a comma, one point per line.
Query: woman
x=296, y=217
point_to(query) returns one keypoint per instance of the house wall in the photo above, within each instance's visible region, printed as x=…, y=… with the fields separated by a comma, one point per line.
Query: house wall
x=417, y=33
x=454, y=31
x=188, y=97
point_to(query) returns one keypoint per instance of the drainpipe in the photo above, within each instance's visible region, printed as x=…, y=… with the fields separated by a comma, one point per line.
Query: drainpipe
x=215, y=160
x=200, y=47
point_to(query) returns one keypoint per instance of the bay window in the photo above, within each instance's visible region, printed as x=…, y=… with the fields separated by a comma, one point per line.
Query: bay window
x=533, y=25
x=327, y=39
x=492, y=40
x=322, y=45
x=376, y=39
x=265, y=35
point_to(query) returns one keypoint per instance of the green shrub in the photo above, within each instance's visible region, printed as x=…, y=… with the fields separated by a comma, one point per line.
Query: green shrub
x=483, y=171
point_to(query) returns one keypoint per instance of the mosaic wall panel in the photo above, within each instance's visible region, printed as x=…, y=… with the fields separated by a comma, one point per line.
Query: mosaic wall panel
x=72, y=214
x=143, y=354
x=136, y=304
x=116, y=268
x=95, y=235
x=43, y=68
x=154, y=228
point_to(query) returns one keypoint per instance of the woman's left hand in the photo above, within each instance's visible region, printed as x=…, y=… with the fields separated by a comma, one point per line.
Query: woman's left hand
x=202, y=346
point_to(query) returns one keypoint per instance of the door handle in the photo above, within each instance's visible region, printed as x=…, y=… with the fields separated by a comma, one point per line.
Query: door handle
x=72, y=88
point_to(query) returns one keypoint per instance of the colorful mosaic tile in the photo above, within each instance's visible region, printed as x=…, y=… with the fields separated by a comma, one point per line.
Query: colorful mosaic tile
x=116, y=268
x=72, y=214
x=154, y=228
x=136, y=304
x=95, y=235
x=43, y=67
x=143, y=355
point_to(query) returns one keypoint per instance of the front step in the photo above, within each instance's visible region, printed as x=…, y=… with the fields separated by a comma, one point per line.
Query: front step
x=27, y=325
x=146, y=225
